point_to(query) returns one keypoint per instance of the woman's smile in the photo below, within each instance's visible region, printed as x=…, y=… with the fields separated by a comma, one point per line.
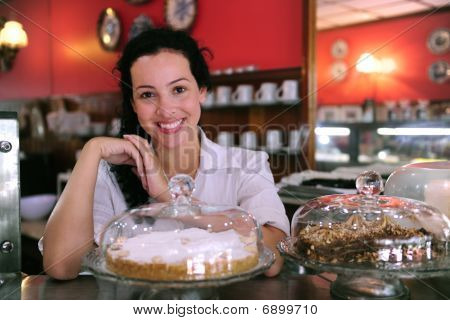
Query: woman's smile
x=170, y=127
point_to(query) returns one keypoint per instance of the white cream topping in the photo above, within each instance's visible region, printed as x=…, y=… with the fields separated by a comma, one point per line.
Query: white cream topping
x=194, y=244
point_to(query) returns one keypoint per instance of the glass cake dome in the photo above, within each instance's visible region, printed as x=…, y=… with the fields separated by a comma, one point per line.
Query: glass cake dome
x=181, y=244
x=365, y=234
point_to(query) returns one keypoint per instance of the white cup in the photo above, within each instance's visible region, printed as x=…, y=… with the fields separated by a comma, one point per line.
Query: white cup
x=225, y=139
x=209, y=100
x=248, y=140
x=267, y=93
x=295, y=137
x=288, y=91
x=223, y=95
x=273, y=139
x=243, y=95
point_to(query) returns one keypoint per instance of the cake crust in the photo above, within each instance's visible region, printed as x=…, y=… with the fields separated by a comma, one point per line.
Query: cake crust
x=189, y=254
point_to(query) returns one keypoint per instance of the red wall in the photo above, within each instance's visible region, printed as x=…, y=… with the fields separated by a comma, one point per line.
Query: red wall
x=409, y=50
x=267, y=34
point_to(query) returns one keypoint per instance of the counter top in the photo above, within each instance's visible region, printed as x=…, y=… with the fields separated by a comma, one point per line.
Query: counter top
x=286, y=286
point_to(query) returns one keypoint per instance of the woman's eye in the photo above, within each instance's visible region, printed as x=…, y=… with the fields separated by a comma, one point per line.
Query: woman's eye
x=146, y=95
x=179, y=90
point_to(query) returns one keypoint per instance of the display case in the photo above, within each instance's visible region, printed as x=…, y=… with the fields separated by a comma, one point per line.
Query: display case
x=349, y=144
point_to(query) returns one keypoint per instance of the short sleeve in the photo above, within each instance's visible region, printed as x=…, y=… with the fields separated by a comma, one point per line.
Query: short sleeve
x=258, y=194
x=108, y=199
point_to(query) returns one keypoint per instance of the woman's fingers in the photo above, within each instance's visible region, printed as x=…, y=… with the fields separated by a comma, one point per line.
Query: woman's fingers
x=154, y=175
x=146, y=154
x=136, y=156
x=135, y=171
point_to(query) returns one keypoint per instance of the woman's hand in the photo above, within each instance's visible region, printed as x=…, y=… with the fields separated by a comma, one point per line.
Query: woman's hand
x=271, y=237
x=153, y=177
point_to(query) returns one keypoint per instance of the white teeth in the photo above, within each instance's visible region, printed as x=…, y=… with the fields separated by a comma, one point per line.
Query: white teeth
x=170, y=125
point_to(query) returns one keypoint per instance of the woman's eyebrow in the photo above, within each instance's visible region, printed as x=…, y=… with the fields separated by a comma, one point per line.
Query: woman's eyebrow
x=179, y=79
x=146, y=86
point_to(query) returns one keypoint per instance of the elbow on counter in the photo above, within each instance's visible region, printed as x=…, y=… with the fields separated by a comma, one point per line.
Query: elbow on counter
x=60, y=270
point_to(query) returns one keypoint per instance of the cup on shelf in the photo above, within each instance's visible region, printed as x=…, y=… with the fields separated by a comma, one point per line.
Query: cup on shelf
x=267, y=93
x=295, y=140
x=114, y=127
x=223, y=95
x=243, y=95
x=248, y=140
x=225, y=139
x=288, y=91
x=274, y=140
x=209, y=100
x=250, y=68
x=98, y=128
x=228, y=71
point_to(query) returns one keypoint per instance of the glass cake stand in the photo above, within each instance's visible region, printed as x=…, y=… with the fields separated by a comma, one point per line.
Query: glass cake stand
x=370, y=241
x=357, y=281
x=182, y=249
x=114, y=286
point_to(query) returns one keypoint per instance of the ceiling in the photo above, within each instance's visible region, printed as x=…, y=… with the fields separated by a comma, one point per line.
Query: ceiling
x=338, y=13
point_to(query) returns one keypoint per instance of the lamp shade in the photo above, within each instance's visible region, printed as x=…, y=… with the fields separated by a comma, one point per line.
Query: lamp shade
x=12, y=35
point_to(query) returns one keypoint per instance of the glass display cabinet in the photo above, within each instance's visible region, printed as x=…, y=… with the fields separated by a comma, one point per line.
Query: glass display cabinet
x=350, y=144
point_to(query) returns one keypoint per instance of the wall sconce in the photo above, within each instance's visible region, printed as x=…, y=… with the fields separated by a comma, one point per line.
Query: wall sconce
x=12, y=38
x=367, y=63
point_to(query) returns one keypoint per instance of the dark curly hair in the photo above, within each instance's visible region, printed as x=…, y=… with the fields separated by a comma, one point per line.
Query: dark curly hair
x=149, y=43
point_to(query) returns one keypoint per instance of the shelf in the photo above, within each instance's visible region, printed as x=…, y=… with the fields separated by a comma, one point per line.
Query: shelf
x=250, y=106
x=276, y=75
x=370, y=125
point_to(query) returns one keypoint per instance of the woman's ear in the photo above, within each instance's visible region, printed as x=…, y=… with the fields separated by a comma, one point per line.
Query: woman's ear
x=202, y=97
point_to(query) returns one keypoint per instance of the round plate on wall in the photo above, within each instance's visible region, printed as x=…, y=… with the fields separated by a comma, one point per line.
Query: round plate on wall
x=439, y=72
x=339, y=49
x=141, y=23
x=439, y=41
x=109, y=29
x=339, y=70
x=180, y=14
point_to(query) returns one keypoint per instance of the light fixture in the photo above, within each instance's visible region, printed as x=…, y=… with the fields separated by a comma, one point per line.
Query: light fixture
x=332, y=131
x=413, y=131
x=12, y=38
x=367, y=63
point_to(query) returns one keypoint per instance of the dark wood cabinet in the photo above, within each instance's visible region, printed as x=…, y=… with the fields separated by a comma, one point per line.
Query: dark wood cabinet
x=260, y=118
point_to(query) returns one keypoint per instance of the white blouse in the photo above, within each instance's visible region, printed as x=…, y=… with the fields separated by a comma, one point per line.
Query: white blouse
x=226, y=176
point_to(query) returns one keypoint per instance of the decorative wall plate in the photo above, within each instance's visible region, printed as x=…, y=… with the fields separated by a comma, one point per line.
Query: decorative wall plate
x=180, y=14
x=339, y=49
x=141, y=23
x=439, y=71
x=339, y=70
x=109, y=29
x=439, y=41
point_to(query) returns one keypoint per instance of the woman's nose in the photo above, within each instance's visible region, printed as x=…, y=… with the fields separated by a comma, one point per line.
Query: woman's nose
x=166, y=106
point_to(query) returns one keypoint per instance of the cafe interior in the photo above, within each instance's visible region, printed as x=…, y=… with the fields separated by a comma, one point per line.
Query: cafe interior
x=348, y=98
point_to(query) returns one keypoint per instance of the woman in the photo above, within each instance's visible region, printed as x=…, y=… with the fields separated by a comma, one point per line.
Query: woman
x=164, y=80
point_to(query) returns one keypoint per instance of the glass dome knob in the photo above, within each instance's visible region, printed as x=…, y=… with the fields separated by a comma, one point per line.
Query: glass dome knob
x=369, y=183
x=181, y=188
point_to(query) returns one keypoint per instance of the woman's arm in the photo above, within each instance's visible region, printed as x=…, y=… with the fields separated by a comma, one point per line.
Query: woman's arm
x=271, y=236
x=258, y=195
x=69, y=231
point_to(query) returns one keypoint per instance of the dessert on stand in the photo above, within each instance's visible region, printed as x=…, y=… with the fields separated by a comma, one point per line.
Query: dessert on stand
x=370, y=241
x=178, y=250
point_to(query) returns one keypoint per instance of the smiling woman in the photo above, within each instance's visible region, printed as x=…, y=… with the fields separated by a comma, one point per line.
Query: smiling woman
x=164, y=79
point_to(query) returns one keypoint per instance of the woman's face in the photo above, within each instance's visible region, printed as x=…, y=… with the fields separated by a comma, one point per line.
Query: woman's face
x=166, y=98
